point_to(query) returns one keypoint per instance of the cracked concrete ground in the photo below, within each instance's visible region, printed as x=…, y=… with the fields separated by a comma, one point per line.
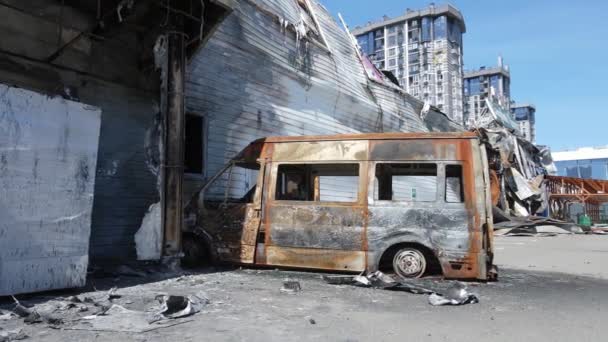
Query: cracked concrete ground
x=528, y=303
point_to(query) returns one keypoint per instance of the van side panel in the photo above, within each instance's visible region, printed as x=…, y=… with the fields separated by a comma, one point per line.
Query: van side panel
x=451, y=230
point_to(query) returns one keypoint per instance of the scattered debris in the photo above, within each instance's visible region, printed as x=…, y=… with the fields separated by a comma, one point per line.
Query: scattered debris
x=12, y=335
x=173, y=307
x=536, y=226
x=128, y=271
x=338, y=280
x=120, y=319
x=112, y=294
x=31, y=316
x=600, y=229
x=6, y=316
x=20, y=310
x=291, y=287
x=456, y=294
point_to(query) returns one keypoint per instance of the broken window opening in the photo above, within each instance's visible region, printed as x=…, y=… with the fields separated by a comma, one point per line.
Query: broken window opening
x=194, y=158
x=406, y=182
x=454, y=190
x=318, y=183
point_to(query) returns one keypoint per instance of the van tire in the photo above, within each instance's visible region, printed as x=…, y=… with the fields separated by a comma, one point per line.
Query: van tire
x=409, y=262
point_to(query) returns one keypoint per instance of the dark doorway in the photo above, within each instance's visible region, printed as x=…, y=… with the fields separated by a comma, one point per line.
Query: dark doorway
x=195, y=144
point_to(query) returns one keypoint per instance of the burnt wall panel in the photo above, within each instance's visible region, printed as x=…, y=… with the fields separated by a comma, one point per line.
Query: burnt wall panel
x=106, y=74
x=126, y=184
x=257, y=78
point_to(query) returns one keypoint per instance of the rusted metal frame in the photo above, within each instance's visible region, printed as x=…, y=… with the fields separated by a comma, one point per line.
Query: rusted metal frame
x=580, y=195
x=466, y=154
x=199, y=194
x=489, y=225
x=367, y=176
x=373, y=136
x=267, y=154
x=593, y=184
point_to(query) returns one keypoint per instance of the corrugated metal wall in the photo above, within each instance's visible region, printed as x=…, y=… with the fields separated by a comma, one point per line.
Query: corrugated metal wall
x=125, y=185
x=255, y=79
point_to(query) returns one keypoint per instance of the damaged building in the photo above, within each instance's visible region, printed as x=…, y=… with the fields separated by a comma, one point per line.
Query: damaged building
x=80, y=95
x=101, y=98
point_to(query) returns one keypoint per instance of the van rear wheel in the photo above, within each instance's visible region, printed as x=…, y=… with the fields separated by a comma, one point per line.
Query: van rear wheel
x=409, y=263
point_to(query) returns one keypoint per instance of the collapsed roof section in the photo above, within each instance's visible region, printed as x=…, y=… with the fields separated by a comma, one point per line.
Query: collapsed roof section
x=494, y=115
x=517, y=166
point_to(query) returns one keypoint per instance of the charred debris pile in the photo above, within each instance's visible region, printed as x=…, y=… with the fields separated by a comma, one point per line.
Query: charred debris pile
x=517, y=170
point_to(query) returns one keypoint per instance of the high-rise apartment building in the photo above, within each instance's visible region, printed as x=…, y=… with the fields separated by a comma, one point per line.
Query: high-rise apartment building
x=485, y=83
x=525, y=115
x=423, y=49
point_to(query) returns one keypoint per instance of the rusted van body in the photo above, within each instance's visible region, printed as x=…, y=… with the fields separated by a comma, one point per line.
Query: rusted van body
x=394, y=201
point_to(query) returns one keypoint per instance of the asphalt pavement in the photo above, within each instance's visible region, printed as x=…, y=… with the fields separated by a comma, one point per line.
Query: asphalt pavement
x=549, y=289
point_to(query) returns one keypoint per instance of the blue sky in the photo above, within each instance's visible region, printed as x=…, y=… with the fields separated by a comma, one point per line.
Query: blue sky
x=557, y=51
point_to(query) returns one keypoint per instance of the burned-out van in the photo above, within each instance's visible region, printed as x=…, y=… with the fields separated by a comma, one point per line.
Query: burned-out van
x=401, y=202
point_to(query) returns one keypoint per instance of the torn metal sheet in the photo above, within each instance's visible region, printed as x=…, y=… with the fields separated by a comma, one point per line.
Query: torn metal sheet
x=535, y=226
x=518, y=170
x=456, y=294
x=173, y=307
x=149, y=237
x=520, y=186
x=12, y=335
x=48, y=158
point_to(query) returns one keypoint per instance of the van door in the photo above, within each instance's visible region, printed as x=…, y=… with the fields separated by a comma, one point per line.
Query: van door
x=315, y=216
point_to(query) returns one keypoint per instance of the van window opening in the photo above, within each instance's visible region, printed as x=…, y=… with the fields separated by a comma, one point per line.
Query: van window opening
x=235, y=185
x=454, y=192
x=406, y=182
x=318, y=183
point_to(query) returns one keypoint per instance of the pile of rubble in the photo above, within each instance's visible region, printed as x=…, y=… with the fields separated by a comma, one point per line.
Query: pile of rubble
x=103, y=312
x=517, y=176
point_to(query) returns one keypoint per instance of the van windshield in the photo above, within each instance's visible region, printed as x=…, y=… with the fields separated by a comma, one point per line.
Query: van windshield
x=236, y=184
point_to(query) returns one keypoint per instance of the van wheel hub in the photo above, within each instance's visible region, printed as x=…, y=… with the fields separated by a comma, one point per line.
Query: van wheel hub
x=409, y=263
